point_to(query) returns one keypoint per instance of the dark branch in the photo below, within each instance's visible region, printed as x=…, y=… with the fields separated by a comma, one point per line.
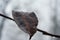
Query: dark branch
x=45, y=33
x=6, y=17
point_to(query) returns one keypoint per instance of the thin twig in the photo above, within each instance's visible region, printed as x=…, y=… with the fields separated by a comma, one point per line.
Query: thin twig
x=49, y=34
x=6, y=17
x=45, y=33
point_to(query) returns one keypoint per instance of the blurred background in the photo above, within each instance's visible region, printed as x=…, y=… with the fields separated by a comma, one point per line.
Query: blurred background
x=10, y=31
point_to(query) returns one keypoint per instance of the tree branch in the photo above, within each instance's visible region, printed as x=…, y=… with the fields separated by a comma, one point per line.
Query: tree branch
x=45, y=33
x=6, y=17
x=49, y=34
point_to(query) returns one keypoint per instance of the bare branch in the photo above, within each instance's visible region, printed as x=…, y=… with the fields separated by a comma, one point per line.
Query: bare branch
x=49, y=34
x=6, y=17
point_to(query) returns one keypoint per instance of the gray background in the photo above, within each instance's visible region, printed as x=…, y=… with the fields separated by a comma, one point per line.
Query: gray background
x=48, y=8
